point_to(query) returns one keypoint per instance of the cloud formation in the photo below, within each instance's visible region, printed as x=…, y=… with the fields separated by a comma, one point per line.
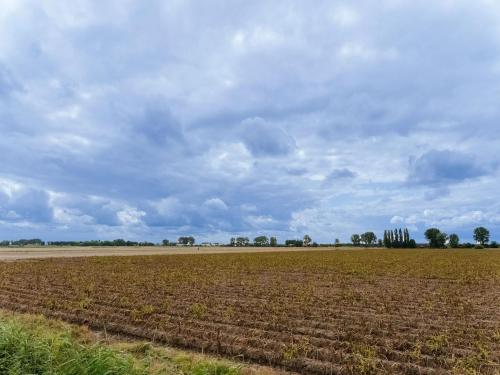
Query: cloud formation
x=444, y=167
x=166, y=118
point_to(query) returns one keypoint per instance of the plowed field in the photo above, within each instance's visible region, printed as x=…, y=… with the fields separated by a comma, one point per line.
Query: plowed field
x=314, y=312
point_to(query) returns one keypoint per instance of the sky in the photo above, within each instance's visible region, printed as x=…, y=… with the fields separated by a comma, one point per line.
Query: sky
x=149, y=120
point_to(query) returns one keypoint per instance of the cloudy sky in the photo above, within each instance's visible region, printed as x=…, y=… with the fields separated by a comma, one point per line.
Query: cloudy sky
x=153, y=119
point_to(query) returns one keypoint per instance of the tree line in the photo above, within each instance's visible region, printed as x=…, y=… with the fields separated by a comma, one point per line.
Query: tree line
x=367, y=239
x=399, y=238
x=392, y=238
x=264, y=241
x=117, y=242
x=23, y=242
x=438, y=239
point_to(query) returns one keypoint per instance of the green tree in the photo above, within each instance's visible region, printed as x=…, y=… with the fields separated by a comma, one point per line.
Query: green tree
x=273, y=242
x=189, y=241
x=337, y=242
x=397, y=242
x=261, y=241
x=434, y=236
x=242, y=241
x=482, y=235
x=441, y=240
x=307, y=240
x=356, y=239
x=387, y=239
x=297, y=243
x=368, y=238
x=454, y=240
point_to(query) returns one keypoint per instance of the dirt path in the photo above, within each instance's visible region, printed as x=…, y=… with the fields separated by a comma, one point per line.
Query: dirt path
x=7, y=254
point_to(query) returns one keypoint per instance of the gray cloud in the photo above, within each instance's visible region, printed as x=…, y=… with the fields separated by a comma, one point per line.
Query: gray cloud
x=341, y=173
x=21, y=204
x=266, y=139
x=444, y=167
x=177, y=117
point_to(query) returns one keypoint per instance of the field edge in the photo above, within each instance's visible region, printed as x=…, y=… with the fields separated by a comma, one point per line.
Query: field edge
x=27, y=340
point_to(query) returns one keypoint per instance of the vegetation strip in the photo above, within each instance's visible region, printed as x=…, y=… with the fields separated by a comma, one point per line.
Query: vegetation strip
x=35, y=345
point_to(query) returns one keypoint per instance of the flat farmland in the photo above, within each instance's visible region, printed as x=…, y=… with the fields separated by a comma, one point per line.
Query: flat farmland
x=42, y=252
x=313, y=312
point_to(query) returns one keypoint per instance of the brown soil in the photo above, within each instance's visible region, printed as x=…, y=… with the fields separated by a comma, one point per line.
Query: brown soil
x=314, y=312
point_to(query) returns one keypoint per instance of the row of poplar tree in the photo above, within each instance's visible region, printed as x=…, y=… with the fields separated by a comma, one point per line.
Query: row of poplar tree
x=399, y=238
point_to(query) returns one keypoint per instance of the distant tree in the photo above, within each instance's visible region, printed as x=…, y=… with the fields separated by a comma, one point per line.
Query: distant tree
x=165, y=242
x=307, y=240
x=482, y=235
x=232, y=241
x=454, y=240
x=189, y=241
x=119, y=242
x=380, y=243
x=356, y=239
x=387, y=239
x=368, y=238
x=273, y=242
x=337, y=242
x=398, y=238
x=442, y=238
x=242, y=241
x=494, y=245
x=297, y=243
x=24, y=242
x=436, y=238
x=261, y=241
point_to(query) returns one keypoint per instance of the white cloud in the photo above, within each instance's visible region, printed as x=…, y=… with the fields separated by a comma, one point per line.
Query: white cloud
x=130, y=216
x=397, y=220
x=169, y=206
x=215, y=203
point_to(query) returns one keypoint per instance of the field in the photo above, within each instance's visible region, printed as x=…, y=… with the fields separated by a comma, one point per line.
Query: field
x=12, y=253
x=314, y=312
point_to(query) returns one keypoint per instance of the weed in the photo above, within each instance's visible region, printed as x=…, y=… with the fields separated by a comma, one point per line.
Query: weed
x=198, y=310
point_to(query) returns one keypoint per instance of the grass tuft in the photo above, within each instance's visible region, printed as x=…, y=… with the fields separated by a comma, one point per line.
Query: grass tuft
x=33, y=349
x=32, y=345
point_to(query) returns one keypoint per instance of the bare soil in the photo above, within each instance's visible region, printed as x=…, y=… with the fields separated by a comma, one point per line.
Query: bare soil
x=313, y=312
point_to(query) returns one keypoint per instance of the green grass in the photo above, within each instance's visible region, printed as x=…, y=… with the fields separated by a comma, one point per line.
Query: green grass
x=33, y=345
x=31, y=348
